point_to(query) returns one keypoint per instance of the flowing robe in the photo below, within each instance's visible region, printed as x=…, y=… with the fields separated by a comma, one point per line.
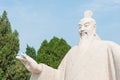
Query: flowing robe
x=95, y=60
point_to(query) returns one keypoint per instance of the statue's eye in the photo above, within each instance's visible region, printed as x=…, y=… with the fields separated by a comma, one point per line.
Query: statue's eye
x=87, y=24
x=80, y=25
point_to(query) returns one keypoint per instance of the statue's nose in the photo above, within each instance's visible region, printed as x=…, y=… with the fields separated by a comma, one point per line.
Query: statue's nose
x=82, y=28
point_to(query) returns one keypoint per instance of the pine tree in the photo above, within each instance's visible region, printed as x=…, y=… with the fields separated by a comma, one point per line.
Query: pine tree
x=51, y=53
x=9, y=46
x=31, y=52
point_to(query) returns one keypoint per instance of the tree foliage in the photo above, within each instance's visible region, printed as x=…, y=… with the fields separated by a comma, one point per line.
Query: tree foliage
x=10, y=68
x=21, y=73
x=51, y=53
x=9, y=46
x=31, y=52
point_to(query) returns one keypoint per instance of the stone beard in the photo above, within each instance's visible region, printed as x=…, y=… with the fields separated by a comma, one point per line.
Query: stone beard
x=91, y=59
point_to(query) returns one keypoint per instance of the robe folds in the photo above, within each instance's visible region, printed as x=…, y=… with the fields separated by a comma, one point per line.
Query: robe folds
x=99, y=60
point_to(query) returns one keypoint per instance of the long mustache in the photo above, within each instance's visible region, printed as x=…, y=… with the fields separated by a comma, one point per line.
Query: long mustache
x=83, y=32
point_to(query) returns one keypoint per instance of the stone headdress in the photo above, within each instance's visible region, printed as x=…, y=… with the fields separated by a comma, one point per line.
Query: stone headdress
x=88, y=17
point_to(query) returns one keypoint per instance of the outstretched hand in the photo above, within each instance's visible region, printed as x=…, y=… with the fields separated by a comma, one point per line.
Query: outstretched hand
x=29, y=63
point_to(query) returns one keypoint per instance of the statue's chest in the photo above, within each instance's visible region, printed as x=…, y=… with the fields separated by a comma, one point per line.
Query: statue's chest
x=87, y=63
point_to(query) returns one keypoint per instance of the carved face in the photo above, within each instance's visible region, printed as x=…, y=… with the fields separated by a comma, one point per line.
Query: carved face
x=86, y=28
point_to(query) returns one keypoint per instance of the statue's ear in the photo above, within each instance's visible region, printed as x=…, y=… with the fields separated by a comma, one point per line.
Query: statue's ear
x=94, y=26
x=94, y=31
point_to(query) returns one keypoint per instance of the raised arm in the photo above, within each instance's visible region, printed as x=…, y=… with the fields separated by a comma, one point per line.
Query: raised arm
x=40, y=71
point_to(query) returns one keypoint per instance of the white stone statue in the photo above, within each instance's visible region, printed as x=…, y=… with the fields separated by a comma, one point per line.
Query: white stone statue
x=91, y=59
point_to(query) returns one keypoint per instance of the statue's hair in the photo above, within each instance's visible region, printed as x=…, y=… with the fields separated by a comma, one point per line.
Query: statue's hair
x=88, y=17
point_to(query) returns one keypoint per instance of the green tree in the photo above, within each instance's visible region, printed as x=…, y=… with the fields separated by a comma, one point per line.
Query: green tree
x=21, y=73
x=51, y=53
x=10, y=68
x=31, y=52
x=9, y=46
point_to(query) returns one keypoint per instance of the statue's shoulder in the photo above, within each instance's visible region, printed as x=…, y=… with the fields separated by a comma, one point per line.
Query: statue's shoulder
x=111, y=43
x=74, y=48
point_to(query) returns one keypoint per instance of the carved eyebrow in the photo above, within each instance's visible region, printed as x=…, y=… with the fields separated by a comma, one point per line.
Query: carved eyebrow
x=87, y=23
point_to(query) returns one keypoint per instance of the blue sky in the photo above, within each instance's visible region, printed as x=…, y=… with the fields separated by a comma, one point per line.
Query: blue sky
x=37, y=20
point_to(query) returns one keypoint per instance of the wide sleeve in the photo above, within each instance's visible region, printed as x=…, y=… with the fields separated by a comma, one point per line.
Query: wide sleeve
x=115, y=49
x=47, y=73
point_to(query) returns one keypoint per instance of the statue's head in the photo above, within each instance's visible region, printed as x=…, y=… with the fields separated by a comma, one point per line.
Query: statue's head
x=87, y=25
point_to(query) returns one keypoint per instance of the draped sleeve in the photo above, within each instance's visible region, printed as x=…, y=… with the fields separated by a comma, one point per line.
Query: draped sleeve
x=49, y=73
x=115, y=50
